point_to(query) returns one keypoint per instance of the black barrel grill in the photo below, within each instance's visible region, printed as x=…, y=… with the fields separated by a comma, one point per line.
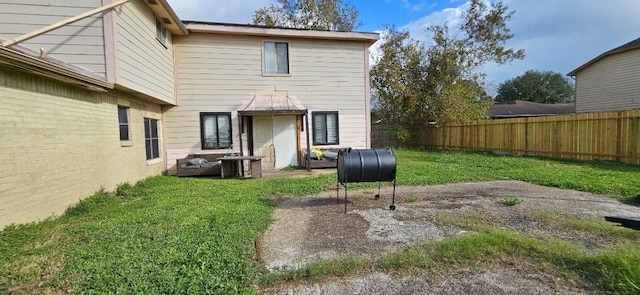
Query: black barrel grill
x=366, y=165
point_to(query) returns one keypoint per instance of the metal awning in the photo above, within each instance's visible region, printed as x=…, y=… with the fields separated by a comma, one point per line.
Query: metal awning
x=272, y=103
x=273, y=112
x=275, y=103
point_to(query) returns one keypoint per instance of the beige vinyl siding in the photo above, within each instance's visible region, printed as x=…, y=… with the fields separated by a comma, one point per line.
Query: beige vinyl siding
x=80, y=43
x=59, y=144
x=143, y=63
x=219, y=73
x=610, y=84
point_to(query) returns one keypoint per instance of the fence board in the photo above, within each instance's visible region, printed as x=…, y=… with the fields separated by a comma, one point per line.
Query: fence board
x=591, y=136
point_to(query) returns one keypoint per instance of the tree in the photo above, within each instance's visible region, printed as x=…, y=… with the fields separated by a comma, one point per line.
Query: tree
x=537, y=86
x=442, y=82
x=325, y=15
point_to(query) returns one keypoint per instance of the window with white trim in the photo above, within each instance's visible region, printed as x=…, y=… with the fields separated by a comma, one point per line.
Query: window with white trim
x=215, y=130
x=325, y=128
x=151, y=138
x=276, y=58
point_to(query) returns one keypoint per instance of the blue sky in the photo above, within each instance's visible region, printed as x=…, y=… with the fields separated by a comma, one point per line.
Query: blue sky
x=557, y=35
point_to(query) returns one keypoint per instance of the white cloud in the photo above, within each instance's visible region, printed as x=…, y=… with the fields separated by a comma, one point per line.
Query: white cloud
x=556, y=35
x=234, y=11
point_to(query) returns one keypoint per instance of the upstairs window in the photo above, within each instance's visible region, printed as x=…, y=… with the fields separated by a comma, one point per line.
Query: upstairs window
x=276, y=58
x=215, y=130
x=161, y=33
x=123, y=119
x=325, y=128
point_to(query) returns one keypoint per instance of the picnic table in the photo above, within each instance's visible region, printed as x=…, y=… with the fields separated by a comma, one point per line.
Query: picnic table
x=232, y=166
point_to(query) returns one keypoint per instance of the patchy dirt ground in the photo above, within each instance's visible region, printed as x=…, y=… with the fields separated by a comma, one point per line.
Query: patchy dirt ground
x=316, y=227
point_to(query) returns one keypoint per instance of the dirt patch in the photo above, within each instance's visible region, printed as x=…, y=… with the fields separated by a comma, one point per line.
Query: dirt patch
x=317, y=227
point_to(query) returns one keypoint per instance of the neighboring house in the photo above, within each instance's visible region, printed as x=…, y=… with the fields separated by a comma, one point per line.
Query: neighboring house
x=609, y=82
x=522, y=108
x=120, y=95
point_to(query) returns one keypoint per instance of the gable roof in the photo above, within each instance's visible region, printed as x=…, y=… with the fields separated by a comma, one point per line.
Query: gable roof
x=277, y=32
x=635, y=44
x=521, y=108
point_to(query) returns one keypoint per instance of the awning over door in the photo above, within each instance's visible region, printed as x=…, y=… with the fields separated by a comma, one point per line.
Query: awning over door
x=272, y=103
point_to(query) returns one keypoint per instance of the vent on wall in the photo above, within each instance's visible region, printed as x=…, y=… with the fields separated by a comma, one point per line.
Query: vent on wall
x=152, y=2
x=166, y=20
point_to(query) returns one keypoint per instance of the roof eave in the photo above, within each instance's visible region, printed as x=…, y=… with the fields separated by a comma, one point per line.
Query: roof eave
x=369, y=38
x=614, y=51
x=51, y=70
x=163, y=9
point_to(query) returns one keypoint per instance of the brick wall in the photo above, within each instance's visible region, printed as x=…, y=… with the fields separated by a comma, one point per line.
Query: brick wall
x=60, y=143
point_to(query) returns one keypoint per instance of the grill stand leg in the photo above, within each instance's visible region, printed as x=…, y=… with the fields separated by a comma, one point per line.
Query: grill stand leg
x=393, y=198
x=337, y=190
x=345, y=196
x=378, y=195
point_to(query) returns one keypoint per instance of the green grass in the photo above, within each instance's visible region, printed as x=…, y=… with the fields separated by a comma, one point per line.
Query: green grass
x=431, y=167
x=182, y=235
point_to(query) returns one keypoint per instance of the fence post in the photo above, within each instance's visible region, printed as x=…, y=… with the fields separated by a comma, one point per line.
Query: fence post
x=619, y=137
x=635, y=129
x=526, y=135
x=556, y=146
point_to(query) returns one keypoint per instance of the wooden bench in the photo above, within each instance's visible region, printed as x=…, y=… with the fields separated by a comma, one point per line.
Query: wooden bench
x=200, y=170
x=322, y=163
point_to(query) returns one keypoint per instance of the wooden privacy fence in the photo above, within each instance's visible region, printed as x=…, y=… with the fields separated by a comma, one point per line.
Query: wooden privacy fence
x=592, y=136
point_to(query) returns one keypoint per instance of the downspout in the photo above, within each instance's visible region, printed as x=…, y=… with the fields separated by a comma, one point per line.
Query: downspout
x=307, y=157
x=65, y=22
x=240, y=128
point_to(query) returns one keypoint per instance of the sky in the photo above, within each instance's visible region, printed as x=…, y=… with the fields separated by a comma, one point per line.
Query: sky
x=557, y=35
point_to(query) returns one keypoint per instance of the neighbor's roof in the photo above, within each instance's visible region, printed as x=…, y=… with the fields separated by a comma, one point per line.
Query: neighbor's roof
x=521, y=108
x=277, y=32
x=626, y=47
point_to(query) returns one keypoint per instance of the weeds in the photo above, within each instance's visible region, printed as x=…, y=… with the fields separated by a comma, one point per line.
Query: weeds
x=511, y=201
x=412, y=198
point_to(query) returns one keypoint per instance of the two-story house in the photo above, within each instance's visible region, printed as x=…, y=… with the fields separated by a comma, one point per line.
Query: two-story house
x=95, y=93
x=261, y=91
x=610, y=81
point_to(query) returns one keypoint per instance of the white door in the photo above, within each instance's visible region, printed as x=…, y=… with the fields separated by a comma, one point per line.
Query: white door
x=285, y=141
x=262, y=140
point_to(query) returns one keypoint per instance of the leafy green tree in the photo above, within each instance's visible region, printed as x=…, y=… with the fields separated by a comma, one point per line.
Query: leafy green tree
x=537, y=86
x=325, y=15
x=442, y=82
x=395, y=79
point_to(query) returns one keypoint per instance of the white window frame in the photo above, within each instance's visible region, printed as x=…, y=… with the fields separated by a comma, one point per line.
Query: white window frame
x=150, y=139
x=264, y=59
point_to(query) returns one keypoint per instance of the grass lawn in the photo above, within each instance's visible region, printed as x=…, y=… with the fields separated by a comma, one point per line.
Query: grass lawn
x=182, y=235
